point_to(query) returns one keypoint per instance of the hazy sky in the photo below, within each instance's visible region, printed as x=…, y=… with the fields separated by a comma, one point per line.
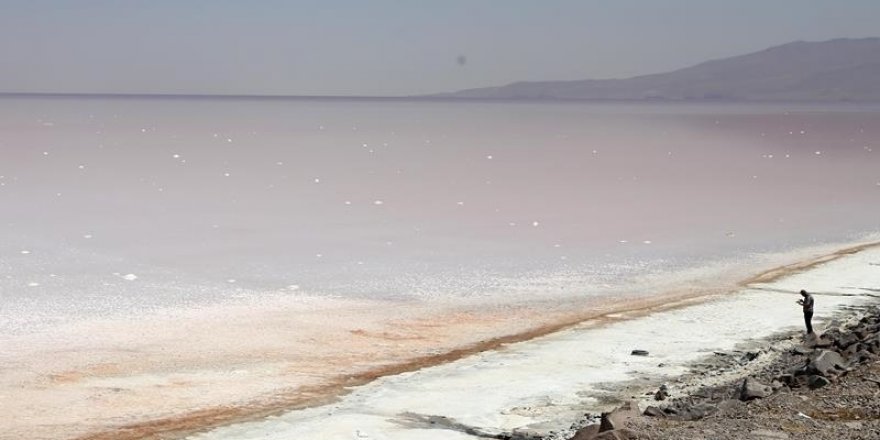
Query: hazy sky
x=387, y=47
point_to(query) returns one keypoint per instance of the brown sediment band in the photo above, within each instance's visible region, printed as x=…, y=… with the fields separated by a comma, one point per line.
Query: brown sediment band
x=180, y=426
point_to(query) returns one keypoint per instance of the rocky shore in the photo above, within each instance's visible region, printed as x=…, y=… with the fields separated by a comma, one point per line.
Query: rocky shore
x=791, y=387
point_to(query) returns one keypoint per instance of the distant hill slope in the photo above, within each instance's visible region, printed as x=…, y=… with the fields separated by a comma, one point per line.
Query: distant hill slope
x=835, y=70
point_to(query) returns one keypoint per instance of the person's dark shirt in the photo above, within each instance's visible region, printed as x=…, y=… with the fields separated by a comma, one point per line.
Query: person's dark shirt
x=808, y=303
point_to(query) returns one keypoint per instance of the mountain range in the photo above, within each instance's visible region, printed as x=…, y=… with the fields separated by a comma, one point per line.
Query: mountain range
x=834, y=70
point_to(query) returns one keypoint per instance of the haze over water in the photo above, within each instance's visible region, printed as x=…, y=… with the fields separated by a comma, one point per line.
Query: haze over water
x=115, y=206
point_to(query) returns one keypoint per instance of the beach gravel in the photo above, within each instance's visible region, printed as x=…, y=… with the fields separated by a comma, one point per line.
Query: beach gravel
x=825, y=389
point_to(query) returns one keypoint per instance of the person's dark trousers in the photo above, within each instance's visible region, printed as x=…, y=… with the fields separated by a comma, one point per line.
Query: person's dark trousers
x=808, y=317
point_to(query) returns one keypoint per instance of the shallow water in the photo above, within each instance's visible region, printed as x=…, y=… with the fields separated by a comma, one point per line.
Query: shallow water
x=160, y=256
x=117, y=206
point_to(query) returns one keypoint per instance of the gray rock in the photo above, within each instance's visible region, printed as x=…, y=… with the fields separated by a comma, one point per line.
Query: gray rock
x=639, y=352
x=617, y=419
x=752, y=389
x=662, y=393
x=817, y=382
x=826, y=363
x=846, y=340
x=802, y=350
x=653, y=411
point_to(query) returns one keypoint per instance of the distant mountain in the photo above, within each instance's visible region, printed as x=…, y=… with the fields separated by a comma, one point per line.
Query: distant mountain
x=835, y=70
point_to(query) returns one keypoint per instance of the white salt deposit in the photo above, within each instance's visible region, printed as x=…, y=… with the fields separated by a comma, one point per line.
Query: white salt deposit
x=547, y=382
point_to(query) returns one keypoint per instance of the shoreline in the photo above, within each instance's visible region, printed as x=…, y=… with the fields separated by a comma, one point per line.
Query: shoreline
x=178, y=425
x=200, y=421
x=806, y=397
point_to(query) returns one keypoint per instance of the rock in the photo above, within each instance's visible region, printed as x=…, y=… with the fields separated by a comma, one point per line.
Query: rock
x=851, y=351
x=586, y=433
x=617, y=419
x=750, y=356
x=862, y=357
x=802, y=350
x=846, y=340
x=826, y=363
x=653, y=411
x=690, y=413
x=787, y=379
x=817, y=382
x=662, y=393
x=752, y=389
x=639, y=352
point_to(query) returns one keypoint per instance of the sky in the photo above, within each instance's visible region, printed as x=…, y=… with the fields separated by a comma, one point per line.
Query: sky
x=387, y=47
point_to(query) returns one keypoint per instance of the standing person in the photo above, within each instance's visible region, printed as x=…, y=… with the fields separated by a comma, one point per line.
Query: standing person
x=807, y=303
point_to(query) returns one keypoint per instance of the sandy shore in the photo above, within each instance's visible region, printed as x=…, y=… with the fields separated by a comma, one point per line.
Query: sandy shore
x=175, y=381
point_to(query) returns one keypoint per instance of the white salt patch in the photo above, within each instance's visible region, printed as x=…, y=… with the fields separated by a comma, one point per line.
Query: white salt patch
x=378, y=202
x=25, y=252
x=129, y=277
x=560, y=376
x=33, y=284
x=231, y=281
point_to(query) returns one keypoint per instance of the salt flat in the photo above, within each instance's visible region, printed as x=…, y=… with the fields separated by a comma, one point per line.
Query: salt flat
x=545, y=382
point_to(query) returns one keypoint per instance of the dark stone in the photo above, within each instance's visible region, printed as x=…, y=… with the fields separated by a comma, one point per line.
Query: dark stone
x=661, y=393
x=846, y=340
x=639, y=352
x=787, y=379
x=694, y=412
x=653, y=411
x=752, y=389
x=750, y=356
x=863, y=357
x=818, y=382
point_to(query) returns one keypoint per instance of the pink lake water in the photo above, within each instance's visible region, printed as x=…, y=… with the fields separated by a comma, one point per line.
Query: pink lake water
x=115, y=206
